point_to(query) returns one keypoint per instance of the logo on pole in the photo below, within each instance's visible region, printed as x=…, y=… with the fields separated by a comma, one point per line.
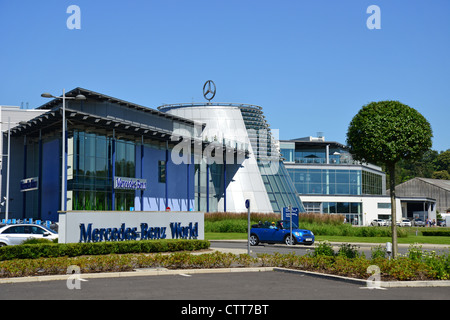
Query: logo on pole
x=209, y=90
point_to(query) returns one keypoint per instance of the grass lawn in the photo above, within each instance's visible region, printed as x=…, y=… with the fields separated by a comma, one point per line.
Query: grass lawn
x=411, y=239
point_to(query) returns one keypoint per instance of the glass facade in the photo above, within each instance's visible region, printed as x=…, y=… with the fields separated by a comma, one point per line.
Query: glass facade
x=314, y=155
x=372, y=183
x=90, y=176
x=279, y=189
x=207, y=198
x=326, y=181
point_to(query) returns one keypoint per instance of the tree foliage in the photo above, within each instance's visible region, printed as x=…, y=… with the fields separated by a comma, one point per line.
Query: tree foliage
x=386, y=132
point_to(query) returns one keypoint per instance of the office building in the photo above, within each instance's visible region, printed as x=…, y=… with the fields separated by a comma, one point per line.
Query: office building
x=329, y=181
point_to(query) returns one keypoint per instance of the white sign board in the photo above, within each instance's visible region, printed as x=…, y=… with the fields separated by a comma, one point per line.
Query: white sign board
x=97, y=226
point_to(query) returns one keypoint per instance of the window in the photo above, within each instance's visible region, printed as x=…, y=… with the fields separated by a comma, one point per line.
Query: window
x=312, y=207
x=382, y=205
x=372, y=183
x=162, y=171
x=326, y=181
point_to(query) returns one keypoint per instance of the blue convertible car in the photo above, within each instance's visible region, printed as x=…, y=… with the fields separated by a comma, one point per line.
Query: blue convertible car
x=279, y=233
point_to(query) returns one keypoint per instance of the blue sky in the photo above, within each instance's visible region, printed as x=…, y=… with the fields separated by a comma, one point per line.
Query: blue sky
x=310, y=64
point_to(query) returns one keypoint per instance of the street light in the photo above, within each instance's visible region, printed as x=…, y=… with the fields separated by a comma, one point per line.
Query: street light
x=63, y=151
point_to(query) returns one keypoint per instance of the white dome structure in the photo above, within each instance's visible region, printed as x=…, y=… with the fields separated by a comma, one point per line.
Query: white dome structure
x=260, y=176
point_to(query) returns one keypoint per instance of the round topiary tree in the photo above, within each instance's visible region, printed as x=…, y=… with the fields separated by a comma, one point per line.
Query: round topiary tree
x=385, y=132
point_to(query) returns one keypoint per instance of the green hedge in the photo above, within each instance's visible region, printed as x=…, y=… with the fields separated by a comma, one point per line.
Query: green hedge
x=441, y=233
x=319, y=229
x=52, y=250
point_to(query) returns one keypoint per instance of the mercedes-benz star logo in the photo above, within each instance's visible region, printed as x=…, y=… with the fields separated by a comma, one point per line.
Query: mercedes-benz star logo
x=209, y=90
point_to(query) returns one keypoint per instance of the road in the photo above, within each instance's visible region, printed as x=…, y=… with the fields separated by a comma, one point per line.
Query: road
x=241, y=246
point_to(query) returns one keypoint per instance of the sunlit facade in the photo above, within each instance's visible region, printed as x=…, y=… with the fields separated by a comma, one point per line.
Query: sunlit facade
x=329, y=181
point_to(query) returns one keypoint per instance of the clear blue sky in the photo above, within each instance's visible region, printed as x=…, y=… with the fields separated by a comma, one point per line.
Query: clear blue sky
x=310, y=64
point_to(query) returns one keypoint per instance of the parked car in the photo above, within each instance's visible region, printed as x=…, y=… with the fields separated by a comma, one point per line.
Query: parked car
x=441, y=223
x=279, y=232
x=15, y=234
x=378, y=222
x=419, y=222
x=404, y=223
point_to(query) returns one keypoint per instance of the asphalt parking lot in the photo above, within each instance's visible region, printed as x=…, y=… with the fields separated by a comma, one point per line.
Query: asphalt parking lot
x=268, y=285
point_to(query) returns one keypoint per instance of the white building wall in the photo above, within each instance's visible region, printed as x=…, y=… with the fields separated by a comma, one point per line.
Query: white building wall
x=226, y=122
x=370, y=210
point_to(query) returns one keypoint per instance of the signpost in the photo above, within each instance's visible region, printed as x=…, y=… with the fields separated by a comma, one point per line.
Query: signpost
x=290, y=214
x=287, y=214
x=247, y=205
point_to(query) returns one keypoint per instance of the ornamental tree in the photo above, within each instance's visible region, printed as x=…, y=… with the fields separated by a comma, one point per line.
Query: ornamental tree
x=385, y=132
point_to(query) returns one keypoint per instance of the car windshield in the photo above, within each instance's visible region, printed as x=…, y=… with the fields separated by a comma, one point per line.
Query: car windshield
x=286, y=224
x=49, y=230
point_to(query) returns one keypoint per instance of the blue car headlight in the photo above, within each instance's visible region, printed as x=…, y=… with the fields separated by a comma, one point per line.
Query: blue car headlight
x=298, y=233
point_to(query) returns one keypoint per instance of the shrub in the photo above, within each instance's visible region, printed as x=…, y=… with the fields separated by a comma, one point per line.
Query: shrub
x=349, y=251
x=436, y=232
x=324, y=249
x=45, y=250
x=378, y=252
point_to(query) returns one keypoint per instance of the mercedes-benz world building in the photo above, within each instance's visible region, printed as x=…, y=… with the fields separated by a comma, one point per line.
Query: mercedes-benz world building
x=121, y=156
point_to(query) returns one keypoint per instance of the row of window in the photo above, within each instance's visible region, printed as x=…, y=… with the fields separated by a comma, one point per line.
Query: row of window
x=335, y=182
x=90, y=171
x=333, y=207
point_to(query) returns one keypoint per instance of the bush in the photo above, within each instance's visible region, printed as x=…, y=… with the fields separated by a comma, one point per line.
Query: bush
x=349, y=251
x=324, y=249
x=424, y=266
x=49, y=250
x=436, y=232
x=378, y=252
x=38, y=240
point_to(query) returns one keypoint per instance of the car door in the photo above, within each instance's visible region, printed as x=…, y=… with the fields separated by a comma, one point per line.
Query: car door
x=35, y=232
x=277, y=234
x=15, y=235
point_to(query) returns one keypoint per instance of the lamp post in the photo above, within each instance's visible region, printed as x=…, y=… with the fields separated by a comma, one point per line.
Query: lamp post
x=63, y=137
x=7, y=172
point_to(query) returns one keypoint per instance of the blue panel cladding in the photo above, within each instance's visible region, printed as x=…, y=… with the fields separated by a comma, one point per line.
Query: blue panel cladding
x=155, y=193
x=51, y=183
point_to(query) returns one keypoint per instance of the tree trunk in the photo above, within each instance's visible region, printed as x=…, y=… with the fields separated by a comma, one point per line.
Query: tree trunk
x=391, y=169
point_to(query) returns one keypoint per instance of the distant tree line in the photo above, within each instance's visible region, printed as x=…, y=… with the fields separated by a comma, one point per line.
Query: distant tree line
x=433, y=164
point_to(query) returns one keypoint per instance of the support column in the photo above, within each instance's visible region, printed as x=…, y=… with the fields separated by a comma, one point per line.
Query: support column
x=224, y=184
x=39, y=213
x=167, y=176
x=113, y=173
x=142, y=171
x=207, y=186
x=188, y=165
x=24, y=194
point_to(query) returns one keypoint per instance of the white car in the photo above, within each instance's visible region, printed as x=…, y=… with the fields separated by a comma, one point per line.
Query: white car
x=379, y=222
x=15, y=234
x=404, y=223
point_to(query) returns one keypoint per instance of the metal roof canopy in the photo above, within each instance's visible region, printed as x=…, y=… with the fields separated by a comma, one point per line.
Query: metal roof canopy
x=89, y=94
x=51, y=122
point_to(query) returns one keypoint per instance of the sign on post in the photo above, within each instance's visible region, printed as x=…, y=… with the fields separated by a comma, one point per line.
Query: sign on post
x=287, y=214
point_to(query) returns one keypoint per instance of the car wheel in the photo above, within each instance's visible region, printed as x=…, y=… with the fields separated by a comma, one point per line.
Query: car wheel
x=287, y=240
x=2, y=244
x=254, y=241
